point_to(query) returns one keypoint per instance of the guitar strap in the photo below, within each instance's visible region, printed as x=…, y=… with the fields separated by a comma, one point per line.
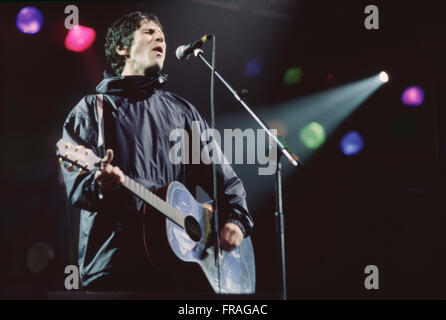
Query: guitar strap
x=100, y=109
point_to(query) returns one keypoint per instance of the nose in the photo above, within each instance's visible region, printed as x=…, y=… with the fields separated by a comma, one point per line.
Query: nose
x=159, y=36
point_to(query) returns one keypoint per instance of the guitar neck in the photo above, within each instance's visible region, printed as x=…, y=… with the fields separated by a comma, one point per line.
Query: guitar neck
x=155, y=201
x=86, y=159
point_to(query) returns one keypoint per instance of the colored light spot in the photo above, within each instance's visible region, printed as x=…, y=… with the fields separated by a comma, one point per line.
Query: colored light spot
x=413, y=96
x=312, y=135
x=253, y=67
x=293, y=76
x=79, y=38
x=281, y=128
x=352, y=143
x=29, y=20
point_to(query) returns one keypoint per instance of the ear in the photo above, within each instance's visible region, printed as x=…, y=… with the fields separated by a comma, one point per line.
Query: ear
x=122, y=51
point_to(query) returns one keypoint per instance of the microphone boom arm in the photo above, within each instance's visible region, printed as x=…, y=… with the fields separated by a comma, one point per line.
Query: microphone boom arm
x=285, y=149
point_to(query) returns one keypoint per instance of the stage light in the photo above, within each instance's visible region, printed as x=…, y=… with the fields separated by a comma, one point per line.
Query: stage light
x=413, y=96
x=312, y=135
x=328, y=108
x=29, y=20
x=384, y=77
x=282, y=129
x=352, y=143
x=292, y=76
x=253, y=67
x=79, y=38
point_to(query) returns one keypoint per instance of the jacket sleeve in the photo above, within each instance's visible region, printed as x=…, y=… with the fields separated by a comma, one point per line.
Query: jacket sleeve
x=80, y=128
x=230, y=190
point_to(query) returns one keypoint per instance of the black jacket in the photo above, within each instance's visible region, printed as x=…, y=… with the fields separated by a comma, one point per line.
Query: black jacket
x=137, y=120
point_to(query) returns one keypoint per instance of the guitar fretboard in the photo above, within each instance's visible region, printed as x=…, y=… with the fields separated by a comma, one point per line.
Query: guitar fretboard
x=155, y=201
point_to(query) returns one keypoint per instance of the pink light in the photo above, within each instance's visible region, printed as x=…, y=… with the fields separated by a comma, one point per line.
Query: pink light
x=413, y=96
x=79, y=38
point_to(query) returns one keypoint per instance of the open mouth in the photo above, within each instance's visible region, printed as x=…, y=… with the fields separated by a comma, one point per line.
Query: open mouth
x=158, y=49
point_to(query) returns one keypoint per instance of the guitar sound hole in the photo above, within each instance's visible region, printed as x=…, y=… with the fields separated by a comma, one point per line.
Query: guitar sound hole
x=193, y=228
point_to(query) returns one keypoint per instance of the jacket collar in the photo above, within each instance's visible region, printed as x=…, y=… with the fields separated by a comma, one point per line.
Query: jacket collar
x=130, y=85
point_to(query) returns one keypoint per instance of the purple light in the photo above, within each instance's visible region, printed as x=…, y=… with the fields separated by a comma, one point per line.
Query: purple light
x=29, y=20
x=352, y=143
x=79, y=38
x=413, y=96
x=253, y=67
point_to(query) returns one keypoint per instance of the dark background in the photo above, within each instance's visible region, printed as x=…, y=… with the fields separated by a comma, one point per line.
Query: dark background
x=384, y=206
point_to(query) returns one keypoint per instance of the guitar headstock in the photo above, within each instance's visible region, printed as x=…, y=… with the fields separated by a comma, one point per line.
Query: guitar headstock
x=80, y=156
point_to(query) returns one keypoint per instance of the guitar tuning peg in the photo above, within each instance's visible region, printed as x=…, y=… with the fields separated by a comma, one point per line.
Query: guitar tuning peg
x=80, y=171
x=60, y=160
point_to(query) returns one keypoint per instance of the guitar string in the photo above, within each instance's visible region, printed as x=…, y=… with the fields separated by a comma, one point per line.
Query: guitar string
x=171, y=211
x=161, y=205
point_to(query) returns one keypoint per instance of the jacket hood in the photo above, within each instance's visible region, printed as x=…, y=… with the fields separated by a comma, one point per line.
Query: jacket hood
x=124, y=85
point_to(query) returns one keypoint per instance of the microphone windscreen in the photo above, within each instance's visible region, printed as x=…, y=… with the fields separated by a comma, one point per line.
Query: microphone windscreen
x=180, y=52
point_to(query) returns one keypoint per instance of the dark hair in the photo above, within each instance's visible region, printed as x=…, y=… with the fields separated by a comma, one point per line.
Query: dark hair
x=120, y=34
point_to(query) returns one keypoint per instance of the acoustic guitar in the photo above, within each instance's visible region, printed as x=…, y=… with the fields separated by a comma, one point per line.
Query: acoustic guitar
x=188, y=228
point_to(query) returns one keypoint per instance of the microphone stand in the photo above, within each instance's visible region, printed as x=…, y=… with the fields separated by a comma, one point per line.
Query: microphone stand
x=283, y=149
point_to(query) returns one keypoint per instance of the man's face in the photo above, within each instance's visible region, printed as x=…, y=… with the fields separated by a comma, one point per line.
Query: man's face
x=148, y=50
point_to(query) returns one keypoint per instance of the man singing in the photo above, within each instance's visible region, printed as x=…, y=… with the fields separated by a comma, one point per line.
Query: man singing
x=133, y=115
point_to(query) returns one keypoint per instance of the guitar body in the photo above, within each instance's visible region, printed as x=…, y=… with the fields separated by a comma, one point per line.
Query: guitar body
x=195, y=243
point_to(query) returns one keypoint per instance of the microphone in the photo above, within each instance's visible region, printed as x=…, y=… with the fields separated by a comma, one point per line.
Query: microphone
x=184, y=52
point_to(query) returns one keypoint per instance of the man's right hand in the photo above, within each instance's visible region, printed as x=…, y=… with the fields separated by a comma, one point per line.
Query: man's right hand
x=110, y=177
